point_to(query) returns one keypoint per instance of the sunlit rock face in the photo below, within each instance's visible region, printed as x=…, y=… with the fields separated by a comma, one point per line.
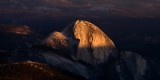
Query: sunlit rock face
x=94, y=45
x=56, y=40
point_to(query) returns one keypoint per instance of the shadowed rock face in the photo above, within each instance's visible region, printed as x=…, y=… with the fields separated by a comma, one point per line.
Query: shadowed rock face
x=94, y=46
x=135, y=64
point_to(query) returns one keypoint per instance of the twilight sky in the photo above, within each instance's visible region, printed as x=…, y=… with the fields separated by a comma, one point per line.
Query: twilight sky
x=131, y=8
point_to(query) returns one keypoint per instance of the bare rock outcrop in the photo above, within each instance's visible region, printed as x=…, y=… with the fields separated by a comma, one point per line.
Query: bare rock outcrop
x=56, y=40
x=93, y=45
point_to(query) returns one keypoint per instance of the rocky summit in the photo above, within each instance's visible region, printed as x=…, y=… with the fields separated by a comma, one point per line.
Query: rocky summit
x=82, y=51
x=56, y=40
x=94, y=45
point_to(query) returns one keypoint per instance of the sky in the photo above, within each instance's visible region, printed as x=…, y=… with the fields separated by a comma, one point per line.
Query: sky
x=130, y=8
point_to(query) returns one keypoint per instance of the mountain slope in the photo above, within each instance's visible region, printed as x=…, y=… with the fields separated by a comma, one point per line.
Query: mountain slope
x=81, y=50
x=94, y=45
x=99, y=45
x=32, y=71
x=56, y=40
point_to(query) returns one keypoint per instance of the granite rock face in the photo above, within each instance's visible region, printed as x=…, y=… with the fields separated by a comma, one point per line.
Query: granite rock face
x=94, y=45
x=56, y=40
x=132, y=66
x=81, y=51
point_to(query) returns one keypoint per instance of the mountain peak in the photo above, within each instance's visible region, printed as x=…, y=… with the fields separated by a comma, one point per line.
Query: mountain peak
x=56, y=40
x=94, y=46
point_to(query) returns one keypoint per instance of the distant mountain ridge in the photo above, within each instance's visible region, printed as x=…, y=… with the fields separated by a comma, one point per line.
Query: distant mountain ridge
x=16, y=29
